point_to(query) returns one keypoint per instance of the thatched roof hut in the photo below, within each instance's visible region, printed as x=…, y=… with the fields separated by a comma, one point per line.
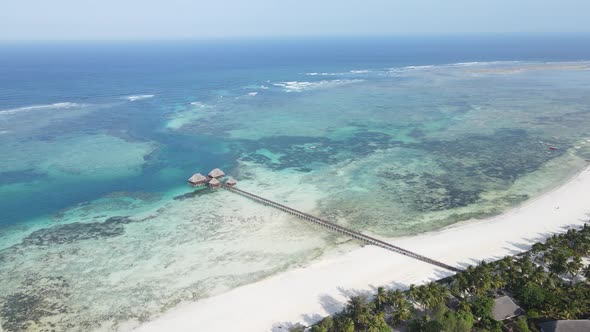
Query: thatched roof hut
x=198, y=179
x=231, y=182
x=565, y=325
x=216, y=173
x=505, y=308
x=214, y=183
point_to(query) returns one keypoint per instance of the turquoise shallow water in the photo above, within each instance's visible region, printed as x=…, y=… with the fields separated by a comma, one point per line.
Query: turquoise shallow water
x=99, y=231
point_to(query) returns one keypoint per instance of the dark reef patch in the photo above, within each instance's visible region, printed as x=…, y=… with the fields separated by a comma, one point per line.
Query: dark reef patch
x=77, y=231
x=469, y=165
x=18, y=310
x=455, y=195
x=299, y=152
x=472, y=165
x=38, y=297
x=139, y=195
x=506, y=155
x=195, y=193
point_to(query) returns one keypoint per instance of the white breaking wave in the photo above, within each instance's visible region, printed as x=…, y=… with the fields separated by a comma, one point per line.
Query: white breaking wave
x=409, y=68
x=351, y=72
x=321, y=74
x=453, y=65
x=419, y=67
x=469, y=64
x=295, y=86
x=138, y=97
x=199, y=104
x=253, y=94
x=485, y=63
x=40, y=107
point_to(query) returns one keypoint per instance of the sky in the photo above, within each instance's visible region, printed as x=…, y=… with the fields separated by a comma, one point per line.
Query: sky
x=212, y=19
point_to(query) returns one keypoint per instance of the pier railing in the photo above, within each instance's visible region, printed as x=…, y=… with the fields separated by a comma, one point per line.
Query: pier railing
x=342, y=230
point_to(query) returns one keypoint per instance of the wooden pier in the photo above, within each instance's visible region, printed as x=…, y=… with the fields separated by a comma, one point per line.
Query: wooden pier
x=340, y=229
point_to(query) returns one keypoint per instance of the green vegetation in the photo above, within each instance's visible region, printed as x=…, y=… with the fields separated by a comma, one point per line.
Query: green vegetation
x=550, y=282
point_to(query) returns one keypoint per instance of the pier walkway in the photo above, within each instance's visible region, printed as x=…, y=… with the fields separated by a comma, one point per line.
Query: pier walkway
x=340, y=229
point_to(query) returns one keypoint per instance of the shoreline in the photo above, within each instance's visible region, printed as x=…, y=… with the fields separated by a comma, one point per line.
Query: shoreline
x=305, y=295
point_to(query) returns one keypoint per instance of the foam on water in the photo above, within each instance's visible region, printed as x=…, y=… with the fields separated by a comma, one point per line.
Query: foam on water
x=64, y=105
x=350, y=72
x=139, y=97
x=295, y=86
x=321, y=74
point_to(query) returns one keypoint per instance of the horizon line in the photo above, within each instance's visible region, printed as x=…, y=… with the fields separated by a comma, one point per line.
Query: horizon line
x=298, y=37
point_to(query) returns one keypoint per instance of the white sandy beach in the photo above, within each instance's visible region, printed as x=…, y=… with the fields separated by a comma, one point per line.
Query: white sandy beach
x=306, y=294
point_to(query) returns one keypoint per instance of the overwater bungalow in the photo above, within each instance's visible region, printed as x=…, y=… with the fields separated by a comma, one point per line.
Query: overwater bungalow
x=216, y=173
x=231, y=182
x=198, y=179
x=214, y=183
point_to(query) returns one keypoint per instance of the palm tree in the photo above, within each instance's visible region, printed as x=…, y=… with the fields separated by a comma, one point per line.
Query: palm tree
x=537, y=248
x=480, y=280
x=539, y=276
x=413, y=292
x=423, y=296
x=325, y=325
x=464, y=305
x=558, y=266
x=526, y=265
x=344, y=324
x=552, y=240
x=394, y=297
x=571, y=310
x=460, y=285
x=377, y=323
x=402, y=311
x=359, y=310
x=573, y=267
x=505, y=263
x=583, y=249
x=553, y=281
x=550, y=311
x=437, y=294
x=497, y=282
x=586, y=272
x=380, y=298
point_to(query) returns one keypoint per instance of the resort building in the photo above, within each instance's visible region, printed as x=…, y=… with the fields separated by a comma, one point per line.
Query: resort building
x=565, y=325
x=198, y=179
x=216, y=173
x=505, y=308
x=214, y=183
x=231, y=182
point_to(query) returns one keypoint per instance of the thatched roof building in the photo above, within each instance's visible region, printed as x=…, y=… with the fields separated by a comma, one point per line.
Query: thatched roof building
x=565, y=325
x=216, y=173
x=231, y=182
x=214, y=183
x=505, y=308
x=198, y=179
